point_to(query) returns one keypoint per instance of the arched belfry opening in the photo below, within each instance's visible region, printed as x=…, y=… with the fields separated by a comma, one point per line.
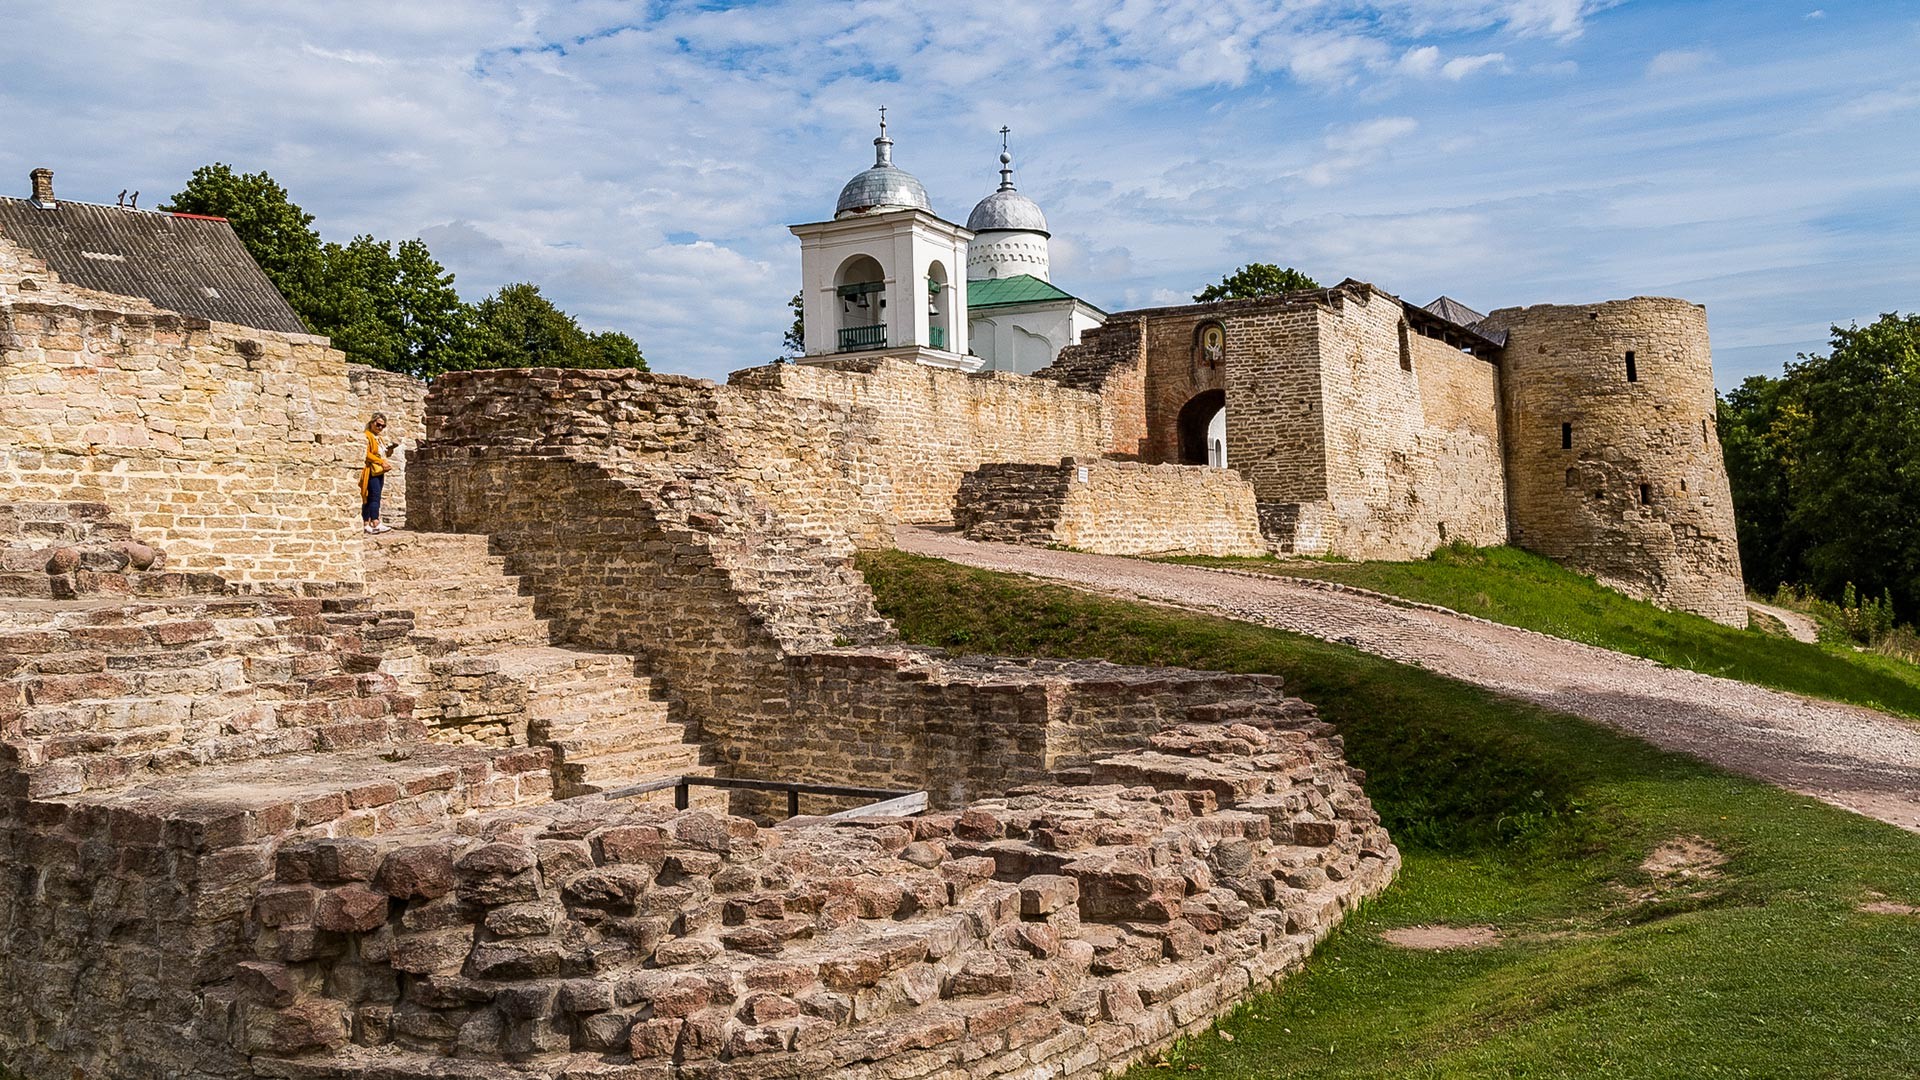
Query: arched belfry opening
x=860, y=295
x=940, y=305
x=1203, y=429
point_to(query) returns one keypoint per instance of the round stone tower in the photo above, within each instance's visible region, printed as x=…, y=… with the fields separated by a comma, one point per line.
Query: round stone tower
x=1613, y=463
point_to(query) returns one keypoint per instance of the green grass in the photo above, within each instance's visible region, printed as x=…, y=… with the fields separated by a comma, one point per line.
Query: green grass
x=1534, y=822
x=1518, y=588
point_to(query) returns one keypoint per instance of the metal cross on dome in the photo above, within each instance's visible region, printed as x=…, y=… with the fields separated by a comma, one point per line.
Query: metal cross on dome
x=883, y=120
x=1003, y=137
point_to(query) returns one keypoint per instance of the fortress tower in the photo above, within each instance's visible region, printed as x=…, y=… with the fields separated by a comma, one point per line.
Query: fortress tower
x=1613, y=463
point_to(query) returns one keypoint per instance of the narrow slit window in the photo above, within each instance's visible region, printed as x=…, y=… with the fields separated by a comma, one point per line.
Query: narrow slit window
x=1566, y=436
x=1633, y=373
x=1406, y=350
x=1646, y=494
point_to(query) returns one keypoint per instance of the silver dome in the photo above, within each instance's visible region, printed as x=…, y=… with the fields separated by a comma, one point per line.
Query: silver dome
x=883, y=187
x=1008, y=211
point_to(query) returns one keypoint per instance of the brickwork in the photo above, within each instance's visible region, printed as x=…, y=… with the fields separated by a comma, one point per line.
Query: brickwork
x=1413, y=442
x=1060, y=931
x=234, y=448
x=240, y=850
x=1640, y=498
x=1351, y=447
x=133, y=913
x=1111, y=361
x=99, y=698
x=403, y=399
x=1112, y=508
x=930, y=427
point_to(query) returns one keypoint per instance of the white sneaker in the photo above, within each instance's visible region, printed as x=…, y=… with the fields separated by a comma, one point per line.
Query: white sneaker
x=383, y=527
x=368, y=529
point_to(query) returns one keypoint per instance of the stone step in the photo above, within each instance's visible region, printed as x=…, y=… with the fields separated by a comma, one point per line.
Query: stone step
x=609, y=736
x=607, y=771
x=549, y=702
x=386, y=590
x=431, y=616
x=528, y=631
x=555, y=665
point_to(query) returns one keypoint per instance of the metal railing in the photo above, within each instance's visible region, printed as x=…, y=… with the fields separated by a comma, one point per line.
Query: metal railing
x=854, y=338
x=890, y=802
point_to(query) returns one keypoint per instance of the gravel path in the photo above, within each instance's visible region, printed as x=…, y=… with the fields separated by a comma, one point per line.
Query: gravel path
x=1865, y=761
x=1802, y=627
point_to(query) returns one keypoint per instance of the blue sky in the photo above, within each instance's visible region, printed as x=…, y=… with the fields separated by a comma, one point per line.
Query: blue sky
x=640, y=161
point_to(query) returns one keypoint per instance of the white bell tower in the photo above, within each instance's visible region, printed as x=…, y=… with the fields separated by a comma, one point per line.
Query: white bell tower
x=886, y=276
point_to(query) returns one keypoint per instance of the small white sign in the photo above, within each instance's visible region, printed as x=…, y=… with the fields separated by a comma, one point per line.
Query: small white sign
x=1083, y=474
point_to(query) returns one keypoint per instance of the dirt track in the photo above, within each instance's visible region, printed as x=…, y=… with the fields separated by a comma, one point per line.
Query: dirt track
x=1865, y=761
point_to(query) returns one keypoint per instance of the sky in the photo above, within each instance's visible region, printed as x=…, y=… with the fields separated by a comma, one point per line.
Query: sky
x=641, y=161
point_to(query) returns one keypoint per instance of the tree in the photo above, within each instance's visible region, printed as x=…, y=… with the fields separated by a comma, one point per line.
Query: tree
x=393, y=308
x=1757, y=421
x=518, y=327
x=794, y=342
x=1854, y=464
x=277, y=233
x=396, y=310
x=1256, y=280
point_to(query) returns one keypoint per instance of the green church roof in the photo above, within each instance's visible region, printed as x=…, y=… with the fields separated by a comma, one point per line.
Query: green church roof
x=1018, y=289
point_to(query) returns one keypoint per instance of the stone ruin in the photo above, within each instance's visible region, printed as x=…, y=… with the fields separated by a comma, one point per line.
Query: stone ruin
x=280, y=801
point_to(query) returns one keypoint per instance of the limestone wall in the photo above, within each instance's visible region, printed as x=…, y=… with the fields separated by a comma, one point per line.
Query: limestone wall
x=1351, y=447
x=1640, y=497
x=817, y=462
x=930, y=427
x=1064, y=931
x=1111, y=361
x=233, y=448
x=1112, y=508
x=133, y=916
x=1412, y=441
x=404, y=400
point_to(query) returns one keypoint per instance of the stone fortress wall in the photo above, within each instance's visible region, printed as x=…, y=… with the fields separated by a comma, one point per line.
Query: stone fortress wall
x=931, y=426
x=1617, y=470
x=1354, y=443
x=236, y=445
x=1117, y=507
x=235, y=850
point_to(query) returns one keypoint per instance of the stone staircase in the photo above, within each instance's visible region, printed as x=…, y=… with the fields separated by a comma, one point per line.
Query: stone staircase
x=486, y=669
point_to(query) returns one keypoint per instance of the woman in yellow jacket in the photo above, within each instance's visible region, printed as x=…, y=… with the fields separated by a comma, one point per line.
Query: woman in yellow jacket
x=373, y=476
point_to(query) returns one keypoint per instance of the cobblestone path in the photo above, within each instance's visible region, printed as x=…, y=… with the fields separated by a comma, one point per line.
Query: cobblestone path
x=1865, y=761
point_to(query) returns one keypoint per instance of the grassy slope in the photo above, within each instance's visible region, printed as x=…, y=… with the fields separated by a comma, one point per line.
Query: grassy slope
x=1521, y=589
x=1534, y=822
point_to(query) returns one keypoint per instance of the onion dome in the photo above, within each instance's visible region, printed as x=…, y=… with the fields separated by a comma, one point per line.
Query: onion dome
x=884, y=187
x=1006, y=210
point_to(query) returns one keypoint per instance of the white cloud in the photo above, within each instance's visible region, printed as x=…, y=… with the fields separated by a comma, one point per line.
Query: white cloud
x=640, y=163
x=1462, y=66
x=1355, y=147
x=1678, y=62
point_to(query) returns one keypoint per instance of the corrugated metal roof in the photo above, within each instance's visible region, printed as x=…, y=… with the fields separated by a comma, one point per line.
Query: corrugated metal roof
x=191, y=264
x=1017, y=289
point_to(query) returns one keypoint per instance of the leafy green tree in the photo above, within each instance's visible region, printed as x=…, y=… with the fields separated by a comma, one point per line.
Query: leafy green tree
x=1256, y=280
x=1757, y=422
x=518, y=327
x=393, y=309
x=277, y=233
x=1854, y=465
